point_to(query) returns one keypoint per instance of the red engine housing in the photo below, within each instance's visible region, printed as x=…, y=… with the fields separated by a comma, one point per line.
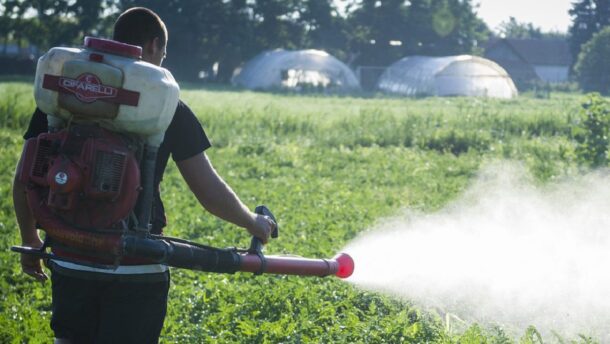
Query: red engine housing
x=87, y=176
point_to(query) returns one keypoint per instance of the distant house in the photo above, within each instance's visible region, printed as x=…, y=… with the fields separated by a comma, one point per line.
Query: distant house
x=528, y=60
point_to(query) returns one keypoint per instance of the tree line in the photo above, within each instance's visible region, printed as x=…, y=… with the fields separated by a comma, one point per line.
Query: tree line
x=216, y=36
x=222, y=34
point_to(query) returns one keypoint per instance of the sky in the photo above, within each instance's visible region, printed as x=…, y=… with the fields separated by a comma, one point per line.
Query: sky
x=549, y=15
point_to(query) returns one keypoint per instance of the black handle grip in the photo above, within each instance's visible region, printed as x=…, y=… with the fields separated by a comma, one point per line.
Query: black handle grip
x=256, y=245
x=262, y=210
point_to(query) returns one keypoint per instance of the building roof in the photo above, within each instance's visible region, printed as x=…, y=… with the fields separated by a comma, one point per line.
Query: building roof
x=553, y=52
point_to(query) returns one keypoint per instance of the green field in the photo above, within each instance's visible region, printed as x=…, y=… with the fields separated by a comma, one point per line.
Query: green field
x=328, y=167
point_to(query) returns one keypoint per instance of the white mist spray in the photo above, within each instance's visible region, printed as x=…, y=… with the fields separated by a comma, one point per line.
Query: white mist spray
x=506, y=253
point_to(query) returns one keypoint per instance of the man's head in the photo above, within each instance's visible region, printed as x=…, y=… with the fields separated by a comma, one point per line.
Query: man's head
x=143, y=27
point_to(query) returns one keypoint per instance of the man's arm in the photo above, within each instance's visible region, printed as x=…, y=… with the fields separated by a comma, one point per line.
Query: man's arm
x=27, y=226
x=219, y=199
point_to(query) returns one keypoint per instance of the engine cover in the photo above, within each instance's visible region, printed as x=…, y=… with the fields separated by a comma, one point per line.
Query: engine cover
x=88, y=176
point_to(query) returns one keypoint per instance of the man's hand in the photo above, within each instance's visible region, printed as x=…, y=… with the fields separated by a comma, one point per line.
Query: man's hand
x=261, y=227
x=32, y=265
x=27, y=228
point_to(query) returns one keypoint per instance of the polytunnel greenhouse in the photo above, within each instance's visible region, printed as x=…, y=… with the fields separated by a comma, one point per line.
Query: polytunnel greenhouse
x=462, y=75
x=298, y=70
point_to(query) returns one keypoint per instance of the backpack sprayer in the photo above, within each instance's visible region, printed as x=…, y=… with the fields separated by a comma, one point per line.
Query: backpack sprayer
x=89, y=179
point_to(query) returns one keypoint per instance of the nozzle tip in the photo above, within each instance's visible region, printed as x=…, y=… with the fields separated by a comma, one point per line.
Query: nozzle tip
x=346, y=265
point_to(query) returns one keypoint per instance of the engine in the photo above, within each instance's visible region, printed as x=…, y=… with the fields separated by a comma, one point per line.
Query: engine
x=85, y=175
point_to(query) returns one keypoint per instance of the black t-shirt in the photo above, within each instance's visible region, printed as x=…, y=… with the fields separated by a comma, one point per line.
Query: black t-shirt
x=184, y=139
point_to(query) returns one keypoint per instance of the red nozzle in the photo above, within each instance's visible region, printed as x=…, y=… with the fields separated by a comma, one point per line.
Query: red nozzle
x=346, y=265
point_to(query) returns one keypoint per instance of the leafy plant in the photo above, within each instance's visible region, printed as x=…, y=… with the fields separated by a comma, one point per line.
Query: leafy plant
x=592, y=68
x=592, y=131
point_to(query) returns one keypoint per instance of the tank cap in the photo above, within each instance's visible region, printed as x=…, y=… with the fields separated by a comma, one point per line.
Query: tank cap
x=113, y=47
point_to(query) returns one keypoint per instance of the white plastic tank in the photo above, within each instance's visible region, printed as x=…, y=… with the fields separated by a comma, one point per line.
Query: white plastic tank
x=106, y=82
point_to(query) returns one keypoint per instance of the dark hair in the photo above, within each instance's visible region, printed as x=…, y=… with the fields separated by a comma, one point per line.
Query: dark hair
x=138, y=26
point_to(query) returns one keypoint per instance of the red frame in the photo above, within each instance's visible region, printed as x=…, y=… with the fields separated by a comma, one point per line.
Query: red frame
x=113, y=47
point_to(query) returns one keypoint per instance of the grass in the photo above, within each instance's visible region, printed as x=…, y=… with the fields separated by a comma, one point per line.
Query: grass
x=328, y=167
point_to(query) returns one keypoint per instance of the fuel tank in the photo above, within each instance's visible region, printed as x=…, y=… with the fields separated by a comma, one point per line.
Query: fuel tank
x=106, y=82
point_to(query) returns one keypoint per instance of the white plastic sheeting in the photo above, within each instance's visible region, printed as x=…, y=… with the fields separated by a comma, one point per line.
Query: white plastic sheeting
x=462, y=75
x=298, y=69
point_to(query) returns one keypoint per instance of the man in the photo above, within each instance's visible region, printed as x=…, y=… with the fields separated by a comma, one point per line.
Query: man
x=128, y=305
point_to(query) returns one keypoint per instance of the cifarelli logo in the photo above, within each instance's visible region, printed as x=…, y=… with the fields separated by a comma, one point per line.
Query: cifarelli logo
x=87, y=88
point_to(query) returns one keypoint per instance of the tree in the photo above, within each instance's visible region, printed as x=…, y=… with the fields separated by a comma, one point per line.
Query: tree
x=48, y=23
x=444, y=27
x=378, y=31
x=385, y=31
x=235, y=39
x=219, y=35
x=276, y=23
x=593, y=67
x=12, y=20
x=588, y=17
x=324, y=28
x=514, y=29
x=592, y=132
